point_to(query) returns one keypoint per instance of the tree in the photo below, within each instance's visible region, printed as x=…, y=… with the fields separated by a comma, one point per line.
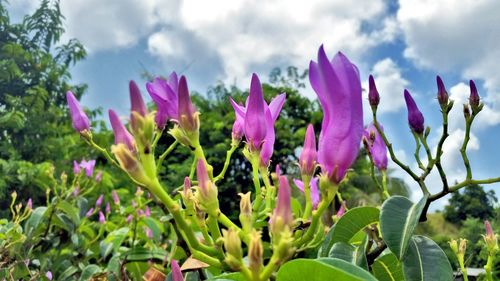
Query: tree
x=34, y=77
x=471, y=202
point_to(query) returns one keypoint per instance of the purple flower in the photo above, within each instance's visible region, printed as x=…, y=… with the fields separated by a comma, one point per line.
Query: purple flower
x=341, y=211
x=474, y=96
x=176, y=271
x=282, y=215
x=89, y=213
x=48, y=274
x=98, y=177
x=315, y=194
x=147, y=212
x=238, y=127
x=307, y=160
x=88, y=166
x=165, y=95
x=377, y=147
x=108, y=208
x=259, y=134
x=122, y=135
x=489, y=229
x=129, y=218
x=102, y=218
x=338, y=87
x=76, y=167
x=79, y=118
x=29, y=205
x=116, y=199
x=99, y=200
x=415, y=117
x=187, y=111
x=442, y=94
x=373, y=95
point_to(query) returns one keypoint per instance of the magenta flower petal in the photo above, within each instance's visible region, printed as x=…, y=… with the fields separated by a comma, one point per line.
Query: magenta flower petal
x=341, y=211
x=377, y=147
x=186, y=108
x=283, y=210
x=102, y=218
x=99, y=201
x=308, y=156
x=315, y=194
x=116, y=199
x=255, y=117
x=98, y=177
x=89, y=213
x=338, y=87
x=122, y=135
x=202, y=176
x=415, y=117
x=108, y=208
x=136, y=99
x=176, y=271
x=76, y=167
x=79, y=119
x=88, y=166
x=276, y=105
x=268, y=145
x=165, y=95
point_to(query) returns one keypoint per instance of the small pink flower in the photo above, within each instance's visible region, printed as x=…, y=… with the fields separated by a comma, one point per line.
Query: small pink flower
x=102, y=218
x=98, y=177
x=108, y=208
x=99, y=200
x=116, y=199
x=129, y=218
x=89, y=213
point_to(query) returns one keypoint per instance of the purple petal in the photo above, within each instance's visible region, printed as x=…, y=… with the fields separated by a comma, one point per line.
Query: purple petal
x=186, y=109
x=276, y=105
x=176, y=271
x=415, y=117
x=79, y=119
x=122, y=135
x=136, y=99
x=255, y=118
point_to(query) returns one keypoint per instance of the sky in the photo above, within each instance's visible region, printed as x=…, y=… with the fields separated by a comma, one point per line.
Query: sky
x=403, y=44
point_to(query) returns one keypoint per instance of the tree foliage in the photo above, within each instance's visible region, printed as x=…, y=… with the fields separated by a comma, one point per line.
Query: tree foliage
x=471, y=202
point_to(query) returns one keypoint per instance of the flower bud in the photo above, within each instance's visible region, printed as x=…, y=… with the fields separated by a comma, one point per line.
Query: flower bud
x=442, y=94
x=474, y=96
x=466, y=111
x=373, y=95
x=89, y=213
x=282, y=218
x=129, y=163
x=102, y=218
x=415, y=117
x=48, y=274
x=255, y=252
x=238, y=128
x=308, y=156
x=116, y=199
x=79, y=119
x=188, y=116
x=453, y=245
x=255, y=118
x=232, y=244
x=108, y=208
x=98, y=177
x=99, y=200
x=490, y=238
x=341, y=211
x=245, y=211
x=207, y=191
x=137, y=103
x=122, y=135
x=29, y=205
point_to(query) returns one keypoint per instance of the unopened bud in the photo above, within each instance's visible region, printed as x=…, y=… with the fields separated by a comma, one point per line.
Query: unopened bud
x=255, y=252
x=207, y=191
x=129, y=163
x=490, y=238
x=282, y=218
x=232, y=244
x=373, y=95
x=245, y=211
x=454, y=246
x=309, y=154
x=466, y=111
x=442, y=94
x=474, y=96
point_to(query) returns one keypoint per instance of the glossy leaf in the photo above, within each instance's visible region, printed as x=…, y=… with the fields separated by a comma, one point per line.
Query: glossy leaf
x=350, y=253
x=387, y=268
x=425, y=261
x=398, y=219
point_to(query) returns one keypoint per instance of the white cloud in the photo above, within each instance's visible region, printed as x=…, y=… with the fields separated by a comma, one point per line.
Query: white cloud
x=390, y=85
x=453, y=36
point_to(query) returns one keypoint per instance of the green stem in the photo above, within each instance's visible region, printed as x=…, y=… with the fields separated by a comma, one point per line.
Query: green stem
x=417, y=151
x=307, y=193
x=164, y=154
x=156, y=139
x=229, y=153
x=316, y=217
x=384, y=184
x=269, y=189
x=256, y=182
x=214, y=227
x=463, y=269
x=104, y=152
x=463, y=149
x=439, y=150
x=488, y=267
x=270, y=267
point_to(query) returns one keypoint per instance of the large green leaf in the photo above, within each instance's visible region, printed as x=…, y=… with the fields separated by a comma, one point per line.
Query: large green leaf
x=348, y=226
x=34, y=220
x=235, y=276
x=322, y=269
x=425, y=261
x=70, y=210
x=387, y=268
x=89, y=271
x=398, y=219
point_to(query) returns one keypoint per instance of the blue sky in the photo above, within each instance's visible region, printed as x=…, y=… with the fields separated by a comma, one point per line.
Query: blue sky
x=404, y=44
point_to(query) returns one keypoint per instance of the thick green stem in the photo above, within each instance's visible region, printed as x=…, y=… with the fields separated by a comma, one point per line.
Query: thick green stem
x=214, y=227
x=104, y=152
x=256, y=182
x=488, y=267
x=384, y=184
x=270, y=267
x=164, y=154
x=307, y=192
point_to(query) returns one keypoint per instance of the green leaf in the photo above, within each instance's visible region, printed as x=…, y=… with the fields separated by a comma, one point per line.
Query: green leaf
x=89, y=271
x=142, y=254
x=70, y=210
x=353, y=221
x=235, y=276
x=113, y=241
x=387, y=268
x=398, y=219
x=322, y=269
x=34, y=220
x=349, y=253
x=425, y=261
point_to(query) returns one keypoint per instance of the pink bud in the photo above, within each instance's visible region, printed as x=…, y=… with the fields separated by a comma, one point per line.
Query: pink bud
x=341, y=211
x=489, y=230
x=116, y=199
x=308, y=156
x=136, y=99
x=98, y=177
x=108, y=208
x=89, y=213
x=202, y=176
x=186, y=109
x=29, y=205
x=122, y=135
x=129, y=218
x=79, y=118
x=176, y=271
x=102, y=218
x=255, y=118
x=48, y=274
x=99, y=200
x=149, y=233
x=282, y=215
x=315, y=194
x=147, y=212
